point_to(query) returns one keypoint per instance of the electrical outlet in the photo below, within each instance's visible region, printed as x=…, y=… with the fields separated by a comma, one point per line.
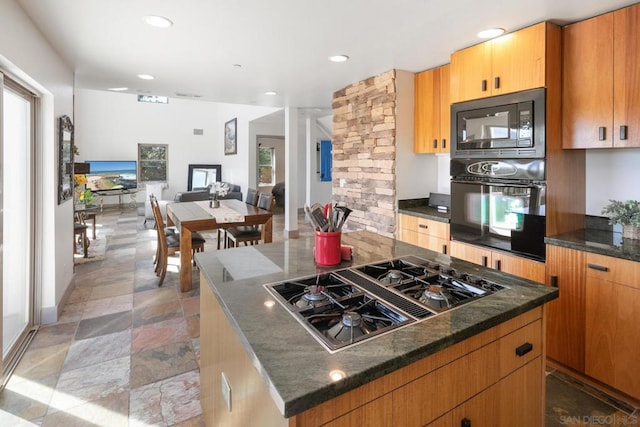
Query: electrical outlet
x=342, y=182
x=226, y=391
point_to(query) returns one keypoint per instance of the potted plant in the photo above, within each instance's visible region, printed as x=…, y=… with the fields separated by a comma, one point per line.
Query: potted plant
x=627, y=214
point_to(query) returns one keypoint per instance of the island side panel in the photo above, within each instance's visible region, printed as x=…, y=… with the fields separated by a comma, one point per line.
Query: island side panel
x=222, y=352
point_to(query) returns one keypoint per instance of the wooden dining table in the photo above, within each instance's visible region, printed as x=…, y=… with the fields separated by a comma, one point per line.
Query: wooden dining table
x=199, y=216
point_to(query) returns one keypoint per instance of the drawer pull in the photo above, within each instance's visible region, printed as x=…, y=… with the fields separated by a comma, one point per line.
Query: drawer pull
x=497, y=265
x=444, y=143
x=597, y=267
x=484, y=85
x=465, y=422
x=484, y=261
x=435, y=143
x=444, y=249
x=496, y=83
x=554, y=281
x=524, y=349
x=425, y=226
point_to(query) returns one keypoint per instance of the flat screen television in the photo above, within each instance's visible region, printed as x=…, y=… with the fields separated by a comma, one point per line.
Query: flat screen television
x=106, y=175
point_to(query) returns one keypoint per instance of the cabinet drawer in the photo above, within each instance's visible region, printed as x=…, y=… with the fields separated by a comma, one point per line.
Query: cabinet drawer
x=520, y=347
x=615, y=270
x=425, y=226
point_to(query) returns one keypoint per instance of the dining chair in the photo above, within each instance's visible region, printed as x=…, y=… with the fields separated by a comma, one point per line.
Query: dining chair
x=250, y=199
x=249, y=234
x=169, y=242
x=80, y=230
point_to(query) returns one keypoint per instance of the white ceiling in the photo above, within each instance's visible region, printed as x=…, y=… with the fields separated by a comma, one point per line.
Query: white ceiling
x=281, y=45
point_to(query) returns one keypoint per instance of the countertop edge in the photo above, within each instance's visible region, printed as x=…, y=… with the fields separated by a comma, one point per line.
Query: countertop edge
x=426, y=213
x=577, y=240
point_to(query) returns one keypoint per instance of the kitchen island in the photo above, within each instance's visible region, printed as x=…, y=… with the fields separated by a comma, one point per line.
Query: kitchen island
x=482, y=359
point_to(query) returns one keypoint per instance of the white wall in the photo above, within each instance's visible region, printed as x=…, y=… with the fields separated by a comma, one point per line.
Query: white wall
x=416, y=174
x=28, y=57
x=109, y=126
x=611, y=174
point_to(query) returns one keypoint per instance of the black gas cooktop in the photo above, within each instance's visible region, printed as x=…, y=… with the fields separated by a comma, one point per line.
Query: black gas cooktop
x=349, y=306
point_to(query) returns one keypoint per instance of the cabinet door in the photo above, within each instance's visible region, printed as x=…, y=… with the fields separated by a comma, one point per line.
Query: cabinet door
x=565, y=315
x=612, y=338
x=516, y=400
x=522, y=267
x=445, y=109
x=587, y=88
x=626, y=79
x=470, y=73
x=518, y=60
x=471, y=253
x=426, y=110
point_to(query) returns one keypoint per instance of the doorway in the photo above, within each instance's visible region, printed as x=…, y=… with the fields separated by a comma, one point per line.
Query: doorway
x=17, y=130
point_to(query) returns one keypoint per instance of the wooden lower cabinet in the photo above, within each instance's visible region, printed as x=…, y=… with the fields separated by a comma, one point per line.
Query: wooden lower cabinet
x=222, y=353
x=612, y=330
x=433, y=391
x=507, y=403
x=426, y=233
x=566, y=315
x=518, y=266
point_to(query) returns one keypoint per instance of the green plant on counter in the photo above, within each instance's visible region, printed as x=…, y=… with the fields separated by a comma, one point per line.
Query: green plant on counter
x=624, y=213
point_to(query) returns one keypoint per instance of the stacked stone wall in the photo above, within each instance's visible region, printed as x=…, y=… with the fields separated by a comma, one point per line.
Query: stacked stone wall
x=364, y=153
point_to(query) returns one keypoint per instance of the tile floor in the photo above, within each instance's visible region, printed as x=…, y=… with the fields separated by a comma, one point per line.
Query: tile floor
x=126, y=353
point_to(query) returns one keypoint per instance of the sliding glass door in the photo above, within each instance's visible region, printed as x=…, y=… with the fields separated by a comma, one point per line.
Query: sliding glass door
x=16, y=217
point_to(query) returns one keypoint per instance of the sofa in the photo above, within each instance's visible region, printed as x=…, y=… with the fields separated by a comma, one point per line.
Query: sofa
x=192, y=196
x=278, y=193
x=203, y=193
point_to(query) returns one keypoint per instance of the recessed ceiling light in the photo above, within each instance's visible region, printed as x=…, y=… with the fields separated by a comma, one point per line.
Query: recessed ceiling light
x=118, y=89
x=490, y=33
x=338, y=58
x=271, y=93
x=145, y=76
x=237, y=65
x=158, y=21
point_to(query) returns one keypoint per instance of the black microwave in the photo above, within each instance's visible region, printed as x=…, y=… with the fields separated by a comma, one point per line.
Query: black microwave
x=504, y=126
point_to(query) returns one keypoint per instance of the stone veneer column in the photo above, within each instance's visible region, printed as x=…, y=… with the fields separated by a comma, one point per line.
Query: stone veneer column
x=364, y=153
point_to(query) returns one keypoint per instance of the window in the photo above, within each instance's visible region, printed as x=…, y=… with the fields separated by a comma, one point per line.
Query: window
x=266, y=166
x=152, y=162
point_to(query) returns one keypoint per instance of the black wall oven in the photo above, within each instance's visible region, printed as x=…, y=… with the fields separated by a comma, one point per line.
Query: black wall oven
x=504, y=126
x=499, y=204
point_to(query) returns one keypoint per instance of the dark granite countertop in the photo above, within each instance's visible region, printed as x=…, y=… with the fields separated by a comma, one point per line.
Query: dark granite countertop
x=598, y=241
x=293, y=365
x=421, y=208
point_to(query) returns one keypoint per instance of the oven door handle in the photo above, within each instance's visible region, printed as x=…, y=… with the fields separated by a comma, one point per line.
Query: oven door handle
x=498, y=184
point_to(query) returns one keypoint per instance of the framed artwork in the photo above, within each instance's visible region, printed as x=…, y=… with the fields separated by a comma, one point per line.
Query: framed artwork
x=65, y=159
x=230, y=139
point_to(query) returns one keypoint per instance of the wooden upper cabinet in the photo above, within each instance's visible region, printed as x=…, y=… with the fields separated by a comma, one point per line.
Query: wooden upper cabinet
x=431, y=116
x=626, y=77
x=601, y=85
x=510, y=63
x=445, y=108
x=518, y=60
x=470, y=72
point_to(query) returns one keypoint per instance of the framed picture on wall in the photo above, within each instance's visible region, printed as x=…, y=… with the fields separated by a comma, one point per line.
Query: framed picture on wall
x=230, y=140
